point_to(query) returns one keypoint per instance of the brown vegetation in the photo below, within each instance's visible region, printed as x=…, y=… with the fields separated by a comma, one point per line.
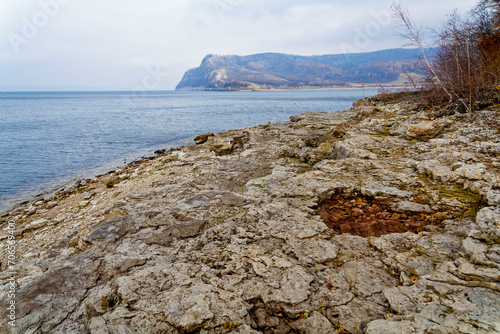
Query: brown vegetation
x=363, y=216
x=465, y=69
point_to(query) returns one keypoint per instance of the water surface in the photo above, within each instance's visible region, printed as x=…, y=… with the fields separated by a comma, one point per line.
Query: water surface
x=50, y=138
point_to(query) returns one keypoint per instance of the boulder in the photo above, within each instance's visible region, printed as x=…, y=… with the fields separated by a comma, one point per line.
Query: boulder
x=203, y=138
x=424, y=130
x=225, y=144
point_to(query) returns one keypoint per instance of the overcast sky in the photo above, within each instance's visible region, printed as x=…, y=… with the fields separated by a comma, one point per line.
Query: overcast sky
x=129, y=44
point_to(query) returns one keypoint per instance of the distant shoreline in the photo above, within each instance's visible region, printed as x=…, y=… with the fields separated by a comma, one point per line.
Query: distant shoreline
x=373, y=86
x=322, y=88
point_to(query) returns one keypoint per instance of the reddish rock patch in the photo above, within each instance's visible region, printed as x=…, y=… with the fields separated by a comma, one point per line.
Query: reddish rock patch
x=363, y=216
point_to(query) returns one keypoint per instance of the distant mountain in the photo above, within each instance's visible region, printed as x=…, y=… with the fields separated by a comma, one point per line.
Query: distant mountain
x=277, y=70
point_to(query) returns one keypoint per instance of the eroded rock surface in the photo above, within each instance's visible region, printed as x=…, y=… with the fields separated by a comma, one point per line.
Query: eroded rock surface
x=227, y=236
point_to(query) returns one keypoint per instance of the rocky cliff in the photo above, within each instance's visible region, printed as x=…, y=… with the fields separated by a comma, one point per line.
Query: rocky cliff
x=381, y=219
x=275, y=70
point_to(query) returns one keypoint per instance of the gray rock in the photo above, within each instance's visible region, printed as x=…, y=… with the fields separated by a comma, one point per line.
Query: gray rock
x=38, y=223
x=487, y=225
x=390, y=327
x=493, y=197
x=111, y=231
x=355, y=316
x=294, y=287
x=340, y=152
x=200, y=139
x=315, y=323
x=472, y=171
x=226, y=236
x=413, y=207
x=245, y=329
x=424, y=130
x=264, y=319
x=98, y=326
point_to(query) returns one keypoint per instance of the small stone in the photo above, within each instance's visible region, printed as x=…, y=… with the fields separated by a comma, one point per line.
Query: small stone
x=413, y=207
x=313, y=140
x=160, y=151
x=325, y=147
x=493, y=197
x=38, y=223
x=424, y=130
x=471, y=171
x=315, y=323
x=296, y=118
x=341, y=152
x=203, y=138
x=307, y=233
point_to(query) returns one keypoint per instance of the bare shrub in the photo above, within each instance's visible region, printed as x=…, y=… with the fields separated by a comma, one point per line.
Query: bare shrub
x=465, y=69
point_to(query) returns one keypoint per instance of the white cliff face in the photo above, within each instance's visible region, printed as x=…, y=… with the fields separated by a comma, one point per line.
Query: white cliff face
x=220, y=75
x=227, y=236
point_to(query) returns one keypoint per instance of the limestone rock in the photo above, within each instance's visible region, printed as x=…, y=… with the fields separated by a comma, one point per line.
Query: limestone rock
x=224, y=144
x=493, y=197
x=424, y=130
x=341, y=151
x=314, y=139
x=364, y=112
x=339, y=132
x=315, y=323
x=200, y=139
x=414, y=207
x=275, y=228
x=487, y=225
x=38, y=223
x=389, y=327
x=471, y=171
x=245, y=329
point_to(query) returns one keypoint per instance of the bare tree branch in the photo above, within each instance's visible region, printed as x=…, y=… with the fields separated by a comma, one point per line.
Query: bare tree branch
x=413, y=35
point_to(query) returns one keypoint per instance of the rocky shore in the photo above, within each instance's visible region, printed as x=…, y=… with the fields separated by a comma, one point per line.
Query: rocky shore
x=381, y=219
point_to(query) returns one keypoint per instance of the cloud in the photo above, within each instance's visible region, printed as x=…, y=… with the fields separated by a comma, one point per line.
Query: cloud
x=114, y=43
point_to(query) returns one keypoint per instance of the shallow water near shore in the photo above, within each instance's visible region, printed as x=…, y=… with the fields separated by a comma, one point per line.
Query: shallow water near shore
x=48, y=139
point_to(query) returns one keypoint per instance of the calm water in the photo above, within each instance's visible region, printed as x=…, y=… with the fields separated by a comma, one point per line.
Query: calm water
x=47, y=139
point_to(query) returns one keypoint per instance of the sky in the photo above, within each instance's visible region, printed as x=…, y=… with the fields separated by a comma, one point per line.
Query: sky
x=149, y=44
